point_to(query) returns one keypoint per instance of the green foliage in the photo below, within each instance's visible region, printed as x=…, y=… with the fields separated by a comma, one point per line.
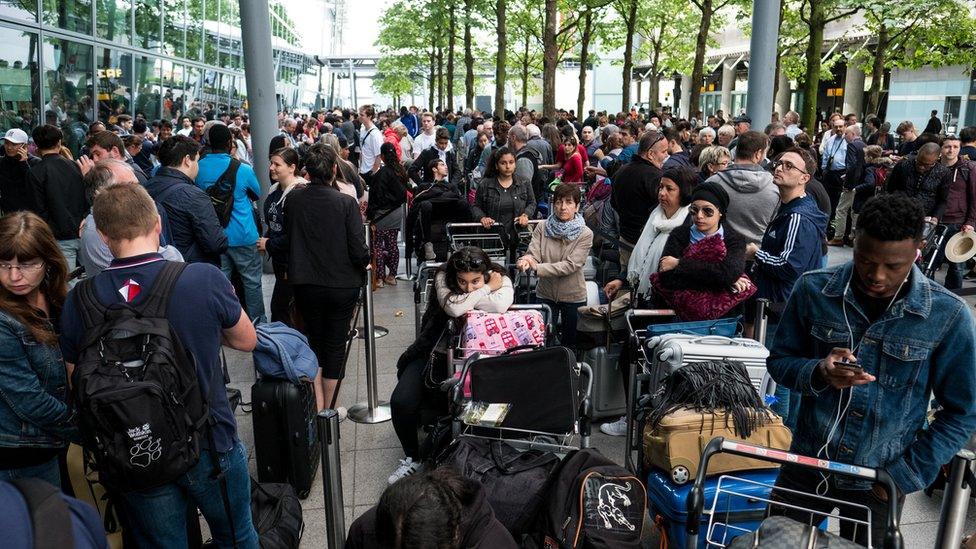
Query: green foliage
x=664, y=25
x=398, y=75
x=922, y=33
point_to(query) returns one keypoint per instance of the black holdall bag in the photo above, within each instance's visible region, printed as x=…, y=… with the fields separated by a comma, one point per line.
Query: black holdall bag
x=277, y=515
x=221, y=193
x=593, y=503
x=140, y=406
x=514, y=481
x=785, y=533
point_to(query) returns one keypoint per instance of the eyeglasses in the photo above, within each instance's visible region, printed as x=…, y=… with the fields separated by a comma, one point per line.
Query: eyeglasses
x=25, y=268
x=467, y=264
x=786, y=164
x=706, y=211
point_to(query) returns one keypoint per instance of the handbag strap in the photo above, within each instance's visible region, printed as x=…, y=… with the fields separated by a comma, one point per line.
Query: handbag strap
x=515, y=463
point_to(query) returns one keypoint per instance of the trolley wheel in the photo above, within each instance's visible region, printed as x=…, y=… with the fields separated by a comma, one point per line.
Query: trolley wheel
x=680, y=474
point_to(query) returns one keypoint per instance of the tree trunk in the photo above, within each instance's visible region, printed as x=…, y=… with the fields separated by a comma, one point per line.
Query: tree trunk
x=468, y=59
x=779, y=67
x=549, y=54
x=584, y=56
x=440, y=77
x=697, y=72
x=451, y=41
x=811, y=84
x=500, y=59
x=631, y=23
x=654, y=86
x=433, y=79
x=525, y=72
x=877, y=72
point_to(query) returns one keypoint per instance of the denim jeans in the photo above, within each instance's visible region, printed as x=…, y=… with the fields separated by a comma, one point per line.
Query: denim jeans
x=157, y=517
x=954, y=271
x=46, y=471
x=569, y=313
x=247, y=261
x=70, y=249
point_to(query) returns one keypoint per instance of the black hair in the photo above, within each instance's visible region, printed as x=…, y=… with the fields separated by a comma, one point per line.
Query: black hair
x=921, y=140
x=47, y=136
x=779, y=144
x=892, y=217
x=139, y=126
x=173, y=150
x=424, y=510
x=288, y=156
x=567, y=190
x=390, y=160
x=431, y=166
x=685, y=178
x=468, y=259
x=968, y=134
x=220, y=138
x=491, y=170
x=321, y=162
x=277, y=142
x=165, y=124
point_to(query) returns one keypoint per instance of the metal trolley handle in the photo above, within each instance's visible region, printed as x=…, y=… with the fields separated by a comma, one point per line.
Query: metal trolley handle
x=718, y=445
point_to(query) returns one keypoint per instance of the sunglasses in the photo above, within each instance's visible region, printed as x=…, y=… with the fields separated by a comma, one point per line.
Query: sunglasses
x=706, y=211
x=467, y=264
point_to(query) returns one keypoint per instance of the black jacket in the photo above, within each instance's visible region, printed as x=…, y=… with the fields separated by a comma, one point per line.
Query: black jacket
x=16, y=193
x=419, y=173
x=634, y=196
x=193, y=224
x=59, y=193
x=854, y=164
x=479, y=529
x=326, y=238
x=930, y=189
x=692, y=274
x=489, y=195
x=386, y=192
x=274, y=218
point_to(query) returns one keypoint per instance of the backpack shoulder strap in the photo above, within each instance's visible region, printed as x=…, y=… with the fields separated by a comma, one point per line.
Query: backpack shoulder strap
x=157, y=302
x=50, y=516
x=91, y=309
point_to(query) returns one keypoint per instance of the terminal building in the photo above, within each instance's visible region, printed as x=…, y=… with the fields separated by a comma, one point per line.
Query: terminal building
x=70, y=62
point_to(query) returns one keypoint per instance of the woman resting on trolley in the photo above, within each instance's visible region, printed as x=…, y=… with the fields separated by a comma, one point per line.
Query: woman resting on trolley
x=467, y=281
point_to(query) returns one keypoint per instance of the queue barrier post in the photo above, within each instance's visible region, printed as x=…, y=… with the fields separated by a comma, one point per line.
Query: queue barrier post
x=373, y=410
x=335, y=522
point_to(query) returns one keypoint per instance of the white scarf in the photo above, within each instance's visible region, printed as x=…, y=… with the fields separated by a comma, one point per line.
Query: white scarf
x=647, y=253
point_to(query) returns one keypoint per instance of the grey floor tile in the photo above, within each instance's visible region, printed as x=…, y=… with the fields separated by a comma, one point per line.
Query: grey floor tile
x=372, y=469
x=384, y=386
x=378, y=436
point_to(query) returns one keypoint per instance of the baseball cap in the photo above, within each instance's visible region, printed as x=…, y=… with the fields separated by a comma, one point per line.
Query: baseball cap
x=15, y=135
x=742, y=118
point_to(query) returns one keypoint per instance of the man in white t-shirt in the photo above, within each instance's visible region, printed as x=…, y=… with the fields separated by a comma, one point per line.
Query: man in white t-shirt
x=370, y=139
x=425, y=139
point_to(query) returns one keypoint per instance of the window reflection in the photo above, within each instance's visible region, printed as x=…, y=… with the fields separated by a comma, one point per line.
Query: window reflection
x=68, y=100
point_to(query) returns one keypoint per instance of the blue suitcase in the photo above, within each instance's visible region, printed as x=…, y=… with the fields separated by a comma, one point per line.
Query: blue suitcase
x=666, y=502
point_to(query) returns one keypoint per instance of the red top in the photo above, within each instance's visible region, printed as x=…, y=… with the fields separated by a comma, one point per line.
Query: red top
x=573, y=169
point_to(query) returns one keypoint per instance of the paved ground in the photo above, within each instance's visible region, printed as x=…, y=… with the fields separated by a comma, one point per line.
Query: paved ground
x=370, y=452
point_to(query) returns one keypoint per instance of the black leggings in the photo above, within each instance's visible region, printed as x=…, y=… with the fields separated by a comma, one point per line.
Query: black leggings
x=410, y=398
x=327, y=313
x=281, y=296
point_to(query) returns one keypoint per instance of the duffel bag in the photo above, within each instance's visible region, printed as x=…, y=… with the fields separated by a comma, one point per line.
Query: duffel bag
x=514, y=481
x=277, y=515
x=786, y=533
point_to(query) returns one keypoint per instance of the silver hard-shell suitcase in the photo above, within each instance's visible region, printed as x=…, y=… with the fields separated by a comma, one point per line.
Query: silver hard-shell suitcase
x=672, y=351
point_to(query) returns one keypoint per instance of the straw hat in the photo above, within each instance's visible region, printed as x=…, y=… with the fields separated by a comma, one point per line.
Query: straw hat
x=961, y=247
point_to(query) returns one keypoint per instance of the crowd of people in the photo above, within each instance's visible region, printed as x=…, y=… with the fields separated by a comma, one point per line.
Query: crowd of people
x=703, y=216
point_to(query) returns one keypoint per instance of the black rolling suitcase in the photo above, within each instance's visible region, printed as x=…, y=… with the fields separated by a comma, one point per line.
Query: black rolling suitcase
x=286, y=443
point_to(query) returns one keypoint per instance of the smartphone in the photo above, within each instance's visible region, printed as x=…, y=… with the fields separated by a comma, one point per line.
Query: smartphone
x=849, y=366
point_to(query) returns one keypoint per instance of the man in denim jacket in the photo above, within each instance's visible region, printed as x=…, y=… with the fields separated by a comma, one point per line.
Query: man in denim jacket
x=911, y=339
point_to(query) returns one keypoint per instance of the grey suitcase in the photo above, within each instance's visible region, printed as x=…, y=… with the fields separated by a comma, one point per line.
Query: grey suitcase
x=672, y=351
x=607, y=396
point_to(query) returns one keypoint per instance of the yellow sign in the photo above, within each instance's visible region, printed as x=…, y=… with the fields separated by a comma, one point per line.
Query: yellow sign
x=830, y=92
x=109, y=73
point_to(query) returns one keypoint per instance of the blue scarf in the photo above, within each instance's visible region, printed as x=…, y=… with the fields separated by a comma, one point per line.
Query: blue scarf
x=566, y=230
x=697, y=235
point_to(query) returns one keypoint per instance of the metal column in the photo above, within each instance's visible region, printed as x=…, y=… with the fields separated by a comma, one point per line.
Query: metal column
x=762, y=61
x=260, y=76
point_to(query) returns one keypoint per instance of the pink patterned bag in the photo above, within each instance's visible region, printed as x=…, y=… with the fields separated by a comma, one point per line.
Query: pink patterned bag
x=494, y=333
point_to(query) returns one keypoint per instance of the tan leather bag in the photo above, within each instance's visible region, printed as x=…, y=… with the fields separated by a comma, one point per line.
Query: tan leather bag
x=87, y=488
x=677, y=444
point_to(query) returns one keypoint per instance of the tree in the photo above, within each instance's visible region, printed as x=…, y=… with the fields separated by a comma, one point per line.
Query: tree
x=707, y=10
x=817, y=14
x=627, y=9
x=397, y=76
x=524, y=55
x=468, y=57
x=586, y=34
x=451, y=41
x=666, y=43
x=500, y=58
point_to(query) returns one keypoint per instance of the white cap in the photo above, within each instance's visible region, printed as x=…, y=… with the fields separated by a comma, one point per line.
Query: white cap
x=16, y=135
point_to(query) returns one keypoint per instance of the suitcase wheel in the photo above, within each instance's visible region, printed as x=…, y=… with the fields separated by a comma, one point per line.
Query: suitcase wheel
x=680, y=474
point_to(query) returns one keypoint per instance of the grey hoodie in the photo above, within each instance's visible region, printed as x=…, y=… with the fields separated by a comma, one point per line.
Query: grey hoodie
x=753, y=199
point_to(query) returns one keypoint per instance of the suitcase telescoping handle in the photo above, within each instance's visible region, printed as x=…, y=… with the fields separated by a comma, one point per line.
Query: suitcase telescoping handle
x=718, y=445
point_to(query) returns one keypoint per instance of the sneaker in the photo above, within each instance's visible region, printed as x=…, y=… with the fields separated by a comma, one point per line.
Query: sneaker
x=429, y=254
x=836, y=242
x=390, y=280
x=615, y=429
x=343, y=413
x=406, y=468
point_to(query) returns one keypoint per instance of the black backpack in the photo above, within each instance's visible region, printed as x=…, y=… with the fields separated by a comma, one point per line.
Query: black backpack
x=593, y=503
x=277, y=515
x=221, y=193
x=140, y=406
x=539, y=183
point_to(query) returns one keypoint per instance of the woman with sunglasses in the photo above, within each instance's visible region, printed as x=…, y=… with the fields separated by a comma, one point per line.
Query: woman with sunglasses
x=467, y=281
x=721, y=271
x=558, y=253
x=35, y=419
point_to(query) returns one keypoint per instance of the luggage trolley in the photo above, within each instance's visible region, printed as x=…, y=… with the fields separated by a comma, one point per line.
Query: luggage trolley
x=492, y=240
x=934, y=237
x=423, y=290
x=523, y=236
x=715, y=512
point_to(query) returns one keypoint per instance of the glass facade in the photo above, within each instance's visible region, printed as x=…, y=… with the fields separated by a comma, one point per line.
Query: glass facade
x=70, y=62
